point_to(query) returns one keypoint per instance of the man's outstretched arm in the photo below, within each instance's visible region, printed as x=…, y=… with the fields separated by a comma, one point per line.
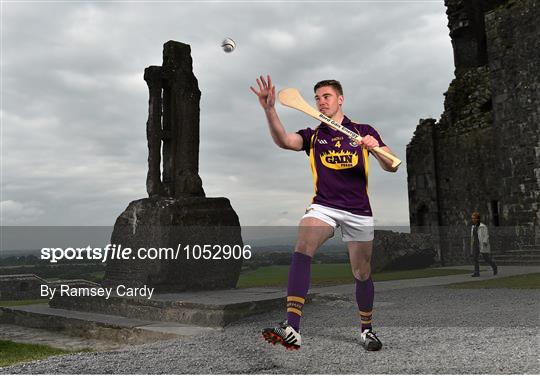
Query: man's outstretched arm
x=267, y=100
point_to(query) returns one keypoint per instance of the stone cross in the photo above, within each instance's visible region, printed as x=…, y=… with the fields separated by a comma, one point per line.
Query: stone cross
x=172, y=128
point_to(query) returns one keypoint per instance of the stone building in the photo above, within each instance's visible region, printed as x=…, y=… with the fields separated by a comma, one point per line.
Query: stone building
x=28, y=286
x=484, y=152
x=20, y=286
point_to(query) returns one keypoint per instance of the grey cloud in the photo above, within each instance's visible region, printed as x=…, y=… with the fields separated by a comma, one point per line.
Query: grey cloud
x=75, y=103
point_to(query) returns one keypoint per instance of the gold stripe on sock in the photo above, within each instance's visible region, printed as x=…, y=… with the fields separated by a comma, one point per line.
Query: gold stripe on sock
x=298, y=299
x=365, y=317
x=295, y=305
x=294, y=310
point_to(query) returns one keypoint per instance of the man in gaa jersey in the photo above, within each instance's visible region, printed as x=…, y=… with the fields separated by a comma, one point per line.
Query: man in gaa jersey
x=340, y=173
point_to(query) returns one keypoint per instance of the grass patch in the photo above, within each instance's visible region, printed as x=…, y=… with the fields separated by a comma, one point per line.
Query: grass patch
x=95, y=276
x=13, y=352
x=6, y=303
x=524, y=281
x=332, y=274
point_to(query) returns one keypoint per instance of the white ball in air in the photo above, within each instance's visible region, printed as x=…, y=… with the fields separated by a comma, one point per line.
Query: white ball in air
x=228, y=45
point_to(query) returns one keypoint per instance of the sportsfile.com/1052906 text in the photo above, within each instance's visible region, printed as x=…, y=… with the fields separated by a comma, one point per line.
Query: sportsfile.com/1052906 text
x=117, y=252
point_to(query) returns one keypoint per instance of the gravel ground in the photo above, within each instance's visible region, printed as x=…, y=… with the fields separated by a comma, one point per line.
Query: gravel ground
x=432, y=330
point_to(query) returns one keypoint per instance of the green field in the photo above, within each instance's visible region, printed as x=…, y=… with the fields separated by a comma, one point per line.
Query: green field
x=95, y=276
x=332, y=274
x=524, y=281
x=12, y=352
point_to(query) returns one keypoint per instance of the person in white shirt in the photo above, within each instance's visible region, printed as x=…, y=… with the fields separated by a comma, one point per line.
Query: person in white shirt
x=480, y=245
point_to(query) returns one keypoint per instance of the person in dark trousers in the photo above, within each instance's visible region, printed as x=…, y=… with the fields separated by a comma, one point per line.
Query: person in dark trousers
x=480, y=245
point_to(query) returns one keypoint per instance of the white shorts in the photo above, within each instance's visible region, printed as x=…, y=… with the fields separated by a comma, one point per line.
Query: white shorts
x=353, y=227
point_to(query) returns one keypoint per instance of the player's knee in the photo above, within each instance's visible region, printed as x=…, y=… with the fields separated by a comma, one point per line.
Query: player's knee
x=363, y=276
x=305, y=247
x=362, y=273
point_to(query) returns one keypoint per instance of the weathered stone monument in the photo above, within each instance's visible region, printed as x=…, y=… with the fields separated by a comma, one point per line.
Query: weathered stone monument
x=176, y=216
x=484, y=152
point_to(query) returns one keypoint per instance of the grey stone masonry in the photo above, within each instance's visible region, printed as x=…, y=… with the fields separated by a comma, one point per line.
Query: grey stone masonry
x=173, y=123
x=513, y=36
x=28, y=286
x=177, y=214
x=484, y=152
x=20, y=286
x=176, y=224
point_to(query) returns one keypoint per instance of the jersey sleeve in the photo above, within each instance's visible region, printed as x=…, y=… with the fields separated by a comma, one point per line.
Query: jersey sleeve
x=373, y=132
x=306, y=135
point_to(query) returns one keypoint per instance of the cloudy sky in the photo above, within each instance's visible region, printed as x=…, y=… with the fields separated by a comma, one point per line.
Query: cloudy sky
x=74, y=102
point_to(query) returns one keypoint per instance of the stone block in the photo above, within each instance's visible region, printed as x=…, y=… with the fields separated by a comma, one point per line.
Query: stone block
x=173, y=224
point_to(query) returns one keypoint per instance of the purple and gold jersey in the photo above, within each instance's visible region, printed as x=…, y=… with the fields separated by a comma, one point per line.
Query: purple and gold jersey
x=339, y=166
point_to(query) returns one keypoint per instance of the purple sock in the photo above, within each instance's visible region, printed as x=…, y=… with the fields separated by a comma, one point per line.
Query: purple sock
x=365, y=294
x=297, y=287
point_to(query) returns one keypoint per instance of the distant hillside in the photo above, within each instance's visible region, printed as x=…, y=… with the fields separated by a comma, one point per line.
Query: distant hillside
x=22, y=252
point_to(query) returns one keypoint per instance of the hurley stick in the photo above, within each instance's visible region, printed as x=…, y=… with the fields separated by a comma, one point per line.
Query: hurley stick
x=292, y=98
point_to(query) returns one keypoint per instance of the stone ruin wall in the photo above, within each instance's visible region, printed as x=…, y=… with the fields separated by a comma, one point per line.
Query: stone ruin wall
x=484, y=153
x=513, y=35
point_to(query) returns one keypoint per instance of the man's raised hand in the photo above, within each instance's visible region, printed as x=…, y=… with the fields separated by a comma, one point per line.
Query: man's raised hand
x=266, y=93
